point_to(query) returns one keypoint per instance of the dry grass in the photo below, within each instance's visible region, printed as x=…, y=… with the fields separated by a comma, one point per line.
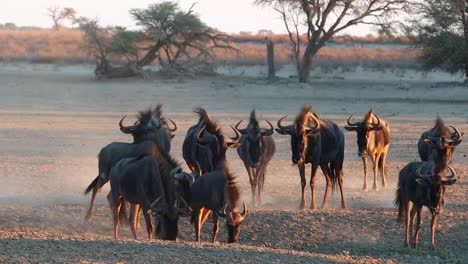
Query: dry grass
x=46, y=45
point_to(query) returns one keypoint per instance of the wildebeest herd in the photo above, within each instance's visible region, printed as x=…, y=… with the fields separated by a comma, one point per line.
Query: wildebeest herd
x=145, y=177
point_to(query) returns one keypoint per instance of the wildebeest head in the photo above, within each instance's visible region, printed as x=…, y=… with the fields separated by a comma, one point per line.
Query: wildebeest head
x=252, y=135
x=211, y=139
x=304, y=130
x=167, y=214
x=432, y=188
x=150, y=124
x=363, y=129
x=234, y=219
x=443, y=142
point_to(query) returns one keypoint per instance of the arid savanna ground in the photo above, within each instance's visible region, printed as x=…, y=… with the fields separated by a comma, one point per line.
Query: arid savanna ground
x=55, y=119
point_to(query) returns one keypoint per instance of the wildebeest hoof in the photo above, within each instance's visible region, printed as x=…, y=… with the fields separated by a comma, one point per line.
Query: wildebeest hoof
x=432, y=247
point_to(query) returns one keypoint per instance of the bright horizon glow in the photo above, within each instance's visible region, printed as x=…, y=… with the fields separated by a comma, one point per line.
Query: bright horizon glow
x=224, y=15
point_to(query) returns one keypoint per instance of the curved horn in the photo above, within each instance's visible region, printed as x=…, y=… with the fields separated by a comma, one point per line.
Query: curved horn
x=268, y=132
x=349, y=122
x=235, y=139
x=243, y=131
x=452, y=171
x=316, y=122
x=244, y=213
x=378, y=122
x=174, y=124
x=125, y=129
x=198, y=171
x=421, y=176
x=284, y=128
x=222, y=213
x=205, y=139
x=173, y=171
x=456, y=133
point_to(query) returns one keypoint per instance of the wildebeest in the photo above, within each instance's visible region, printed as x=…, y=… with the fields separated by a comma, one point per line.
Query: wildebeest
x=217, y=192
x=148, y=181
x=206, y=145
x=439, y=130
x=423, y=184
x=256, y=150
x=148, y=129
x=373, y=139
x=321, y=143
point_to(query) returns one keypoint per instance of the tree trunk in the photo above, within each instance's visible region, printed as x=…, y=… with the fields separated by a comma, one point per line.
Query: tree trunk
x=106, y=71
x=271, y=59
x=306, y=65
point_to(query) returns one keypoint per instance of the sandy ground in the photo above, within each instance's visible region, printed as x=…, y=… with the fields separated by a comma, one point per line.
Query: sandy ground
x=54, y=120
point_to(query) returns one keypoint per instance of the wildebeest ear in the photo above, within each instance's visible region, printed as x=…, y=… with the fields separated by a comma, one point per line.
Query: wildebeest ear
x=172, y=136
x=350, y=128
x=427, y=140
x=449, y=182
x=282, y=132
x=233, y=144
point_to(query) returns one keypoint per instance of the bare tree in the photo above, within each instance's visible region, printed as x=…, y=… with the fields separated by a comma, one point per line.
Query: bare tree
x=320, y=20
x=58, y=14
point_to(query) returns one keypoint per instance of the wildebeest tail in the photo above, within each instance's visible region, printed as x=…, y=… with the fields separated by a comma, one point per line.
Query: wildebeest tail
x=399, y=203
x=334, y=176
x=123, y=214
x=92, y=185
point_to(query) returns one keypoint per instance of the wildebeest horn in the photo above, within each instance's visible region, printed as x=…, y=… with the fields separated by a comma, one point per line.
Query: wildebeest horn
x=284, y=128
x=268, y=132
x=173, y=171
x=455, y=135
x=222, y=213
x=207, y=137
x=198, y=170
x=316, y=122
x=422, y=176
x=452, y=171
x=242, y=131
x=155, y=208
x=185, y=210
x=244, y=213
x=235, y=139
x=378, y=122
x=175, y=126
x=125, y=129
x=349, y=122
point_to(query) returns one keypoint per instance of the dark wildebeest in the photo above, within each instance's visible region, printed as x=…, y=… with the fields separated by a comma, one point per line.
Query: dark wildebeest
x=256, y=150
x=204, y=144
x=321, y=143
x=373, y=139
x=423, y=184
x=149, y=182
x=149, y=128
x=425, y=148
x=216, y=192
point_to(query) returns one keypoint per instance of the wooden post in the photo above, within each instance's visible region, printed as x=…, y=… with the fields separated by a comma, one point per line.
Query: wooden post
x=270, y=59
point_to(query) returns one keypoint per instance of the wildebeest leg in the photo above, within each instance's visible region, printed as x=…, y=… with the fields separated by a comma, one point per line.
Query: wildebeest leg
x=408, y=205
x=339, y=172
x=253, y=183
x=383, y=169
x=134, y=209
x=198, y=224
x=101, y=180
x=149, y=227
x=327, y=173
x=215, y=227
x=303, y=184
x=375, y=159
x=313, y=173
x=411, y=224
x=418, y=226
x=116, y=206
x=433, y=225
x=364, y=161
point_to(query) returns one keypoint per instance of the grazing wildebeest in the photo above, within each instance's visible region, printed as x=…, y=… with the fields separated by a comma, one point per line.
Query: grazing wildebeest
x=149, y=182
x=206, y=145
x=321, y=143
x=439, y=129
x=256, y=150
x=423, y=184
x=148, y=129
x=216, y=192
x=373, y=139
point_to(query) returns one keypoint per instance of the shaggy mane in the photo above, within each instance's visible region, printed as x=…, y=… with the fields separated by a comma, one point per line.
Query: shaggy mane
x=211, y=125
x=145, y=116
